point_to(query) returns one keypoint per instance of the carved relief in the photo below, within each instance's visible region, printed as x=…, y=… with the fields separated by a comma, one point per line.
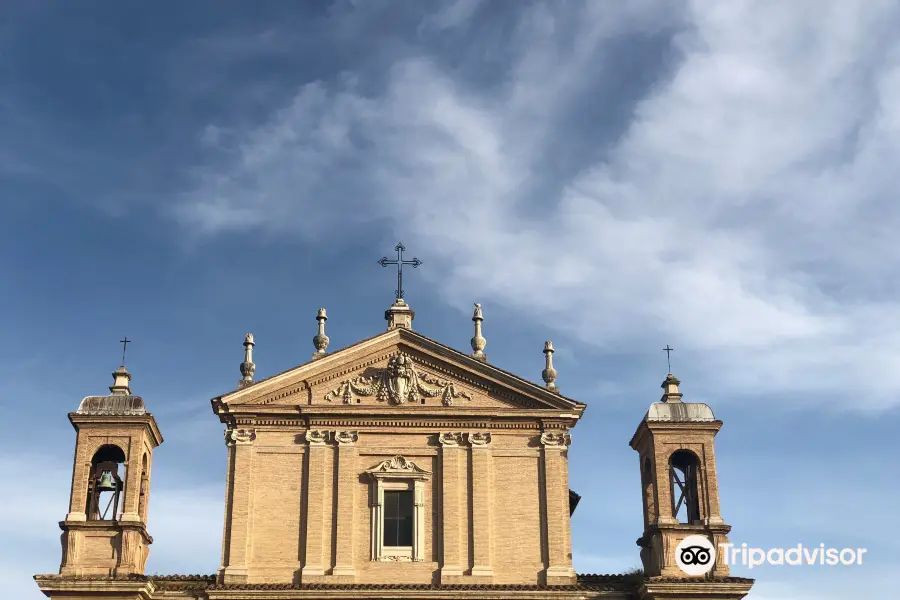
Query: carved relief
x=398, y=383
x=560, y=440
x=450, y=439
x=398, y=466
x=346, y=438
x=317, y=437
x=239, y=436
x=479, y=438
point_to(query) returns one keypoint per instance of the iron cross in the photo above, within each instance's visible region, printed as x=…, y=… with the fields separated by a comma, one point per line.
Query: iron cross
x=415, y=262
x=668, y=352
x=124, y=343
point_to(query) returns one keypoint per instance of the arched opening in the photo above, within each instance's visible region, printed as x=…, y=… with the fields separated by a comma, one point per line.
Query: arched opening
x=649, y=493
x=105, y=484
x=684, y=467
x=142, y=501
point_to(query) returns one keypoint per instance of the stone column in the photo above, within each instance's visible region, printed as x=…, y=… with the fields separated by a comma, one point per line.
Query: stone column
x=317, y=479
x=556, y=505
x=346, y=503
x=451, y=510
x=240, y=442
x=481, y=504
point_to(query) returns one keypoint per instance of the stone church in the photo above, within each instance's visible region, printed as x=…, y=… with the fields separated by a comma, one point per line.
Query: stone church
x=396, y=467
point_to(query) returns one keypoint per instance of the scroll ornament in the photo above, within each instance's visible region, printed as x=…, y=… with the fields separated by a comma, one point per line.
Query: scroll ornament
x=398, y=383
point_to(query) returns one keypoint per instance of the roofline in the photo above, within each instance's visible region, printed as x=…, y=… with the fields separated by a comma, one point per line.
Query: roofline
x=475, y=364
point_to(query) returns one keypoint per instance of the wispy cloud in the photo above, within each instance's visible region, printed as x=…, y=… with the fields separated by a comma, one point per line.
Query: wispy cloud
x=738, y=211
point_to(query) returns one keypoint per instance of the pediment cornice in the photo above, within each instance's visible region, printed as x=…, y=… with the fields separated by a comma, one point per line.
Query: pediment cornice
x=359, y=368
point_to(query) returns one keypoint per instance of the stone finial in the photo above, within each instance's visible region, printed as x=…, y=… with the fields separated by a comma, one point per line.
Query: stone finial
x=321, y=340
x=549, y=373
x=121, y=379
x=478, y=342
x=248, y=368
x=670, y=389
x=399, y=315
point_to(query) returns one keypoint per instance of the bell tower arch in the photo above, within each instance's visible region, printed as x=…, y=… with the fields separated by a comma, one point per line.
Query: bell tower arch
x=105, y=530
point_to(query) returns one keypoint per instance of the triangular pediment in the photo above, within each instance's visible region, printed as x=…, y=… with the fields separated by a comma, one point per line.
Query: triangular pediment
x=399, y=369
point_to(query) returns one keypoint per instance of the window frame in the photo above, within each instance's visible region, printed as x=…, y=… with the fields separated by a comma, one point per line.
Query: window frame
x=398, y=474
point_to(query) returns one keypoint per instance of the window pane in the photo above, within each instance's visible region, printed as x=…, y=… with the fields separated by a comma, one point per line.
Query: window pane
x=404, y=531
x=391, y=505
x=398, y=518
x=406, y=504
x=390, y=532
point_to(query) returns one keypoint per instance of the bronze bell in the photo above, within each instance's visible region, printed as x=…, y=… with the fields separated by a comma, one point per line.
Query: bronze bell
x=106, y=482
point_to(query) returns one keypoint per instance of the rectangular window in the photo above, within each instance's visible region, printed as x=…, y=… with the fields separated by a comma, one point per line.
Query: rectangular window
x=398, y=518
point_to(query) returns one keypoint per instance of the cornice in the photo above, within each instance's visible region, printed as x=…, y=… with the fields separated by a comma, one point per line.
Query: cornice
x=480, y=375
x=146, y=419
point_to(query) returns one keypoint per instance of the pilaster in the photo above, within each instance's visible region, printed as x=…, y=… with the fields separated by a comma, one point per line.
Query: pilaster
x=482, y=481
x=556, y=505
x=451, y=509
x=132, y=482
x=315, y=567
x=81, y=466
x=346, y=501
x=240, y=443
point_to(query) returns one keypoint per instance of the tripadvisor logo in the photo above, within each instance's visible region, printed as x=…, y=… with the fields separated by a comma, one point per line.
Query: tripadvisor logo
x=695, y=555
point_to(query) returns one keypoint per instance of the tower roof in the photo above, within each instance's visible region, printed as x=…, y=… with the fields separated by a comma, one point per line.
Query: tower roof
x=119, y=402
x=670, y=407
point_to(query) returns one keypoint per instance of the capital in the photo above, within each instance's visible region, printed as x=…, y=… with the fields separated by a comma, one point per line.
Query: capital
x=317, y=437
x=479, y=439
x=450, y=439
x=555, y=440
x=239, y=436
x=346, y=438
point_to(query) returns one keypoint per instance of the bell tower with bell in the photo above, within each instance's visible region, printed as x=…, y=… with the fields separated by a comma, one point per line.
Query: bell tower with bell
x=105, y=530
x=680, y=491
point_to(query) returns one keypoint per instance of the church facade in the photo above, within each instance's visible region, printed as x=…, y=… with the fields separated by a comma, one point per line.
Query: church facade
x=396, y=467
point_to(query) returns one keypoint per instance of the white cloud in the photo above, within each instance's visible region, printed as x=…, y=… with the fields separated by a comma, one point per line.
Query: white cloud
x=745, y=211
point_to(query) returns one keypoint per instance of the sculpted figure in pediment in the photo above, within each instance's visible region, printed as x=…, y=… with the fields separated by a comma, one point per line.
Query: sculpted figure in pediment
x=398, y=383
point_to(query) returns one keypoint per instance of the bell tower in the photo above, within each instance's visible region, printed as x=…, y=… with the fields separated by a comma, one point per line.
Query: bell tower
x=680, y=491
x=105, y=530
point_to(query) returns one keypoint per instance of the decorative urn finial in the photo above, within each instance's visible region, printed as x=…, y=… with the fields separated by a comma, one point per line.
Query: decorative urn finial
x=320, y=341
x=478, y=342
x=248, y=368
x=549, y=373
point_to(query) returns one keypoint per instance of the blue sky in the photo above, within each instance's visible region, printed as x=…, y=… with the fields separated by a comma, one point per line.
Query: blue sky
x=612, y=176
